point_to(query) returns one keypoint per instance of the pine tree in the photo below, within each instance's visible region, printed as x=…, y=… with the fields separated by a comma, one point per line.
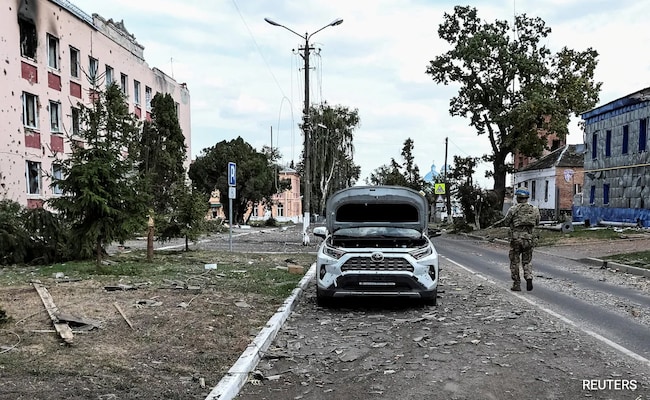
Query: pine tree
x=102, y=199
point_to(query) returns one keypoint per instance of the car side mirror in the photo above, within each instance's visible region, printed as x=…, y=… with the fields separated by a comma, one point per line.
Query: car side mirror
x=433, y=232
x=320, y=231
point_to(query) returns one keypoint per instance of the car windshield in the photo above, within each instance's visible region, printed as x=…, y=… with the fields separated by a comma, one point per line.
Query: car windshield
x=378, y=232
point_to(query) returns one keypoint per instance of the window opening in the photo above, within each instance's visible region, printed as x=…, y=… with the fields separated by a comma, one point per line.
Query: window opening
x=30, y=110
x=52, y=52
x=28, y=38
x=33, y=177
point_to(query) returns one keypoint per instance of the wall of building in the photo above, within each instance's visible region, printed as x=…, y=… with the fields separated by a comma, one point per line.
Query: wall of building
x=617, y=184
x=37, y=39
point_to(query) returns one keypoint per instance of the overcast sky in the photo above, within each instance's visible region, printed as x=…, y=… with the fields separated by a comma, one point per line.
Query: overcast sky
x=244, y=79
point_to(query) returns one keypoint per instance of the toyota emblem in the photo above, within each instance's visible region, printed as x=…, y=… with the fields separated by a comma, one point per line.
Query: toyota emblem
x=377, y=257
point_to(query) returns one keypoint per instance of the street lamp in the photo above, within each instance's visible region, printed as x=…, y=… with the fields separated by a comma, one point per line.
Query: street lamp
x=307, y=181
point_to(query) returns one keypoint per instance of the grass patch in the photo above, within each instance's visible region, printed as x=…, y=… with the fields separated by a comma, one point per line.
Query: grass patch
x=262, y=274
x=640, y=259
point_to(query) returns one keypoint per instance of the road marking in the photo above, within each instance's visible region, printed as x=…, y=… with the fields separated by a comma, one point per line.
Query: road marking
x=561, y=317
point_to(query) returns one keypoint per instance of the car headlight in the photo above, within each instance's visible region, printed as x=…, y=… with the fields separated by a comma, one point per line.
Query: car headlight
x=421, y=252
x=333, y=252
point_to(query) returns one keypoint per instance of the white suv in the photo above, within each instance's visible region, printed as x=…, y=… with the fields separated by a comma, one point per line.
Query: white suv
x=376, y=244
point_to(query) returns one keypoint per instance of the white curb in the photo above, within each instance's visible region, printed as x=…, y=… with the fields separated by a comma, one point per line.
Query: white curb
x=229, y=386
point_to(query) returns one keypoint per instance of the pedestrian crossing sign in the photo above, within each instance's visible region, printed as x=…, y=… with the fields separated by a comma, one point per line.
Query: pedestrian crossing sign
x=439, y=188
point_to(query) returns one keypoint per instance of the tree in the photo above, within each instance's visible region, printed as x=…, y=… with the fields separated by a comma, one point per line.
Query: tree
x=161, y=162
x=256, y=175
x=406, y=174
x=512, y=88
x=102, y=198
x=162, y=153
x=332, y=152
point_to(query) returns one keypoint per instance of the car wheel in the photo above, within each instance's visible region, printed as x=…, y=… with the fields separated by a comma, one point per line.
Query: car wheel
x=322, y=300
x=433, y=300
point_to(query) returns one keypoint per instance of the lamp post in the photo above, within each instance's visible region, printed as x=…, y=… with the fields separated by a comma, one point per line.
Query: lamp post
x=306, y=197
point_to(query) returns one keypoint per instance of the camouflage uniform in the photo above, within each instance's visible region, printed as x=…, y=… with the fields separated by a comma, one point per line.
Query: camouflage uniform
x=521, y=218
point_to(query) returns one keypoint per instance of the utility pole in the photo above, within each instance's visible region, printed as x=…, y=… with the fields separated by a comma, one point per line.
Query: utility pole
x=306, y=195
x=447, y=191
x=306, y=212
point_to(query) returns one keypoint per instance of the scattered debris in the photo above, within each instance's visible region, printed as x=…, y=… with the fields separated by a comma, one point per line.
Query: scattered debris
x=61, y=327
x=119, y=309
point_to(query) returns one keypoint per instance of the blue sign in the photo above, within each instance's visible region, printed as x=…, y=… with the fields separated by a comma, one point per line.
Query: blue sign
x=232, y=174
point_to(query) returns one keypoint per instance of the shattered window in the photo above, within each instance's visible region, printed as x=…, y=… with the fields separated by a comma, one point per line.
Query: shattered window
x=30, y=110
x=109, y=75
x=33, y=177
x=136, y=92
x=75, y=121
x=124, y=83
x=55, y=117
x=57, y=174
x=74, y=62
x=147, y=97
x=93, y=66
x=28, y=38
x=52, y=52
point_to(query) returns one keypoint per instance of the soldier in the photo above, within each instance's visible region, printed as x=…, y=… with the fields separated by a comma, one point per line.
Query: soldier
x=521, y=218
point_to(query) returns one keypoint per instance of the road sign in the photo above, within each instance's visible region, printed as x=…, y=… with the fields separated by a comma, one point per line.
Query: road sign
x=232, y=174
x=232, y=192
x=439, y=188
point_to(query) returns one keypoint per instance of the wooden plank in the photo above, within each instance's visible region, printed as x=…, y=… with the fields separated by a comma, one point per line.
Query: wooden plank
x=119, y=309
x=61, y=327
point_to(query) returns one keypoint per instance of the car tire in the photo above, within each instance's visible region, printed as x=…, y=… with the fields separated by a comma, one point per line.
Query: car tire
x=322, y=300
x=433, y=300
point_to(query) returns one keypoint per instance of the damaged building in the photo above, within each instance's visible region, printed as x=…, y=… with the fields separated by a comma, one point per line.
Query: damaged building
x=54, y=56
x=616, y=163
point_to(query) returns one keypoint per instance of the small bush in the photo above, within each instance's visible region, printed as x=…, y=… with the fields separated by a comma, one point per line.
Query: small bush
x=271, y=222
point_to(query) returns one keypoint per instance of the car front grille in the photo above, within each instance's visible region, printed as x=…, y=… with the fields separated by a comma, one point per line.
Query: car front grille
x=367, y=264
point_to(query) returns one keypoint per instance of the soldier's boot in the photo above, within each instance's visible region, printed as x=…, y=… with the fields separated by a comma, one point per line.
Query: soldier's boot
x=516, y=286
x=529, y=284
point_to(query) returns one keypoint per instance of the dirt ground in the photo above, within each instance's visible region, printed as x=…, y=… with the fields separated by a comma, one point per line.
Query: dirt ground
x=182, y=341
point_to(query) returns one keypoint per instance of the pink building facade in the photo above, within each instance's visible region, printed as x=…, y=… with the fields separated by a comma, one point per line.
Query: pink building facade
x=50, y=48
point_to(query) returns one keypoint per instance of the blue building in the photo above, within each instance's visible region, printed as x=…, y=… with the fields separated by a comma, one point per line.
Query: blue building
x=617, y=163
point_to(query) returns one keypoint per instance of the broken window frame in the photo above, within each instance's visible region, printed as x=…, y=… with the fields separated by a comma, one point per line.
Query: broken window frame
x=28, y=38
x=55, y=117
x=136, y=92
x=30, y=110
x=108, y=76
x=147, y=97
x=93, y=68
x=57, y=174
x=75, y=56
x=75, y=116
x=53, y=52
x=124, y=83
x=34, y=177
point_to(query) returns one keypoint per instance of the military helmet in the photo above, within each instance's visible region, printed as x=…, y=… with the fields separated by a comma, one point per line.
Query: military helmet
x=522, y=192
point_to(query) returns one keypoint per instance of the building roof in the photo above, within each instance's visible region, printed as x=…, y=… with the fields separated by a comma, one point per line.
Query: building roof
x=571, y=155
x=615, y=107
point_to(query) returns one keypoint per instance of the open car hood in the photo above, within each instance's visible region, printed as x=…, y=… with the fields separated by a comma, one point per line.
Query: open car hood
x=364, y=206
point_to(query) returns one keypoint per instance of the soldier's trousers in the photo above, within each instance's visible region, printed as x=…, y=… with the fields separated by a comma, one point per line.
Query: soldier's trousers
x=521, y=250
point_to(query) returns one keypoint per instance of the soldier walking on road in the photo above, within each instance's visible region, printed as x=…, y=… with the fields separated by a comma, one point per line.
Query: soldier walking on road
x=522, y=218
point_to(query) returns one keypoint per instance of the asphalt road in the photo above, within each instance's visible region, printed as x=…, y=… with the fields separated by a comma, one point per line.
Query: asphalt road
x=599, y=320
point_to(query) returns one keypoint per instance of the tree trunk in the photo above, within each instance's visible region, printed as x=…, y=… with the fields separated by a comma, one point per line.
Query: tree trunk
x=150, y=231
x=187, y=243
x=98, y=252
x=499, y=180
